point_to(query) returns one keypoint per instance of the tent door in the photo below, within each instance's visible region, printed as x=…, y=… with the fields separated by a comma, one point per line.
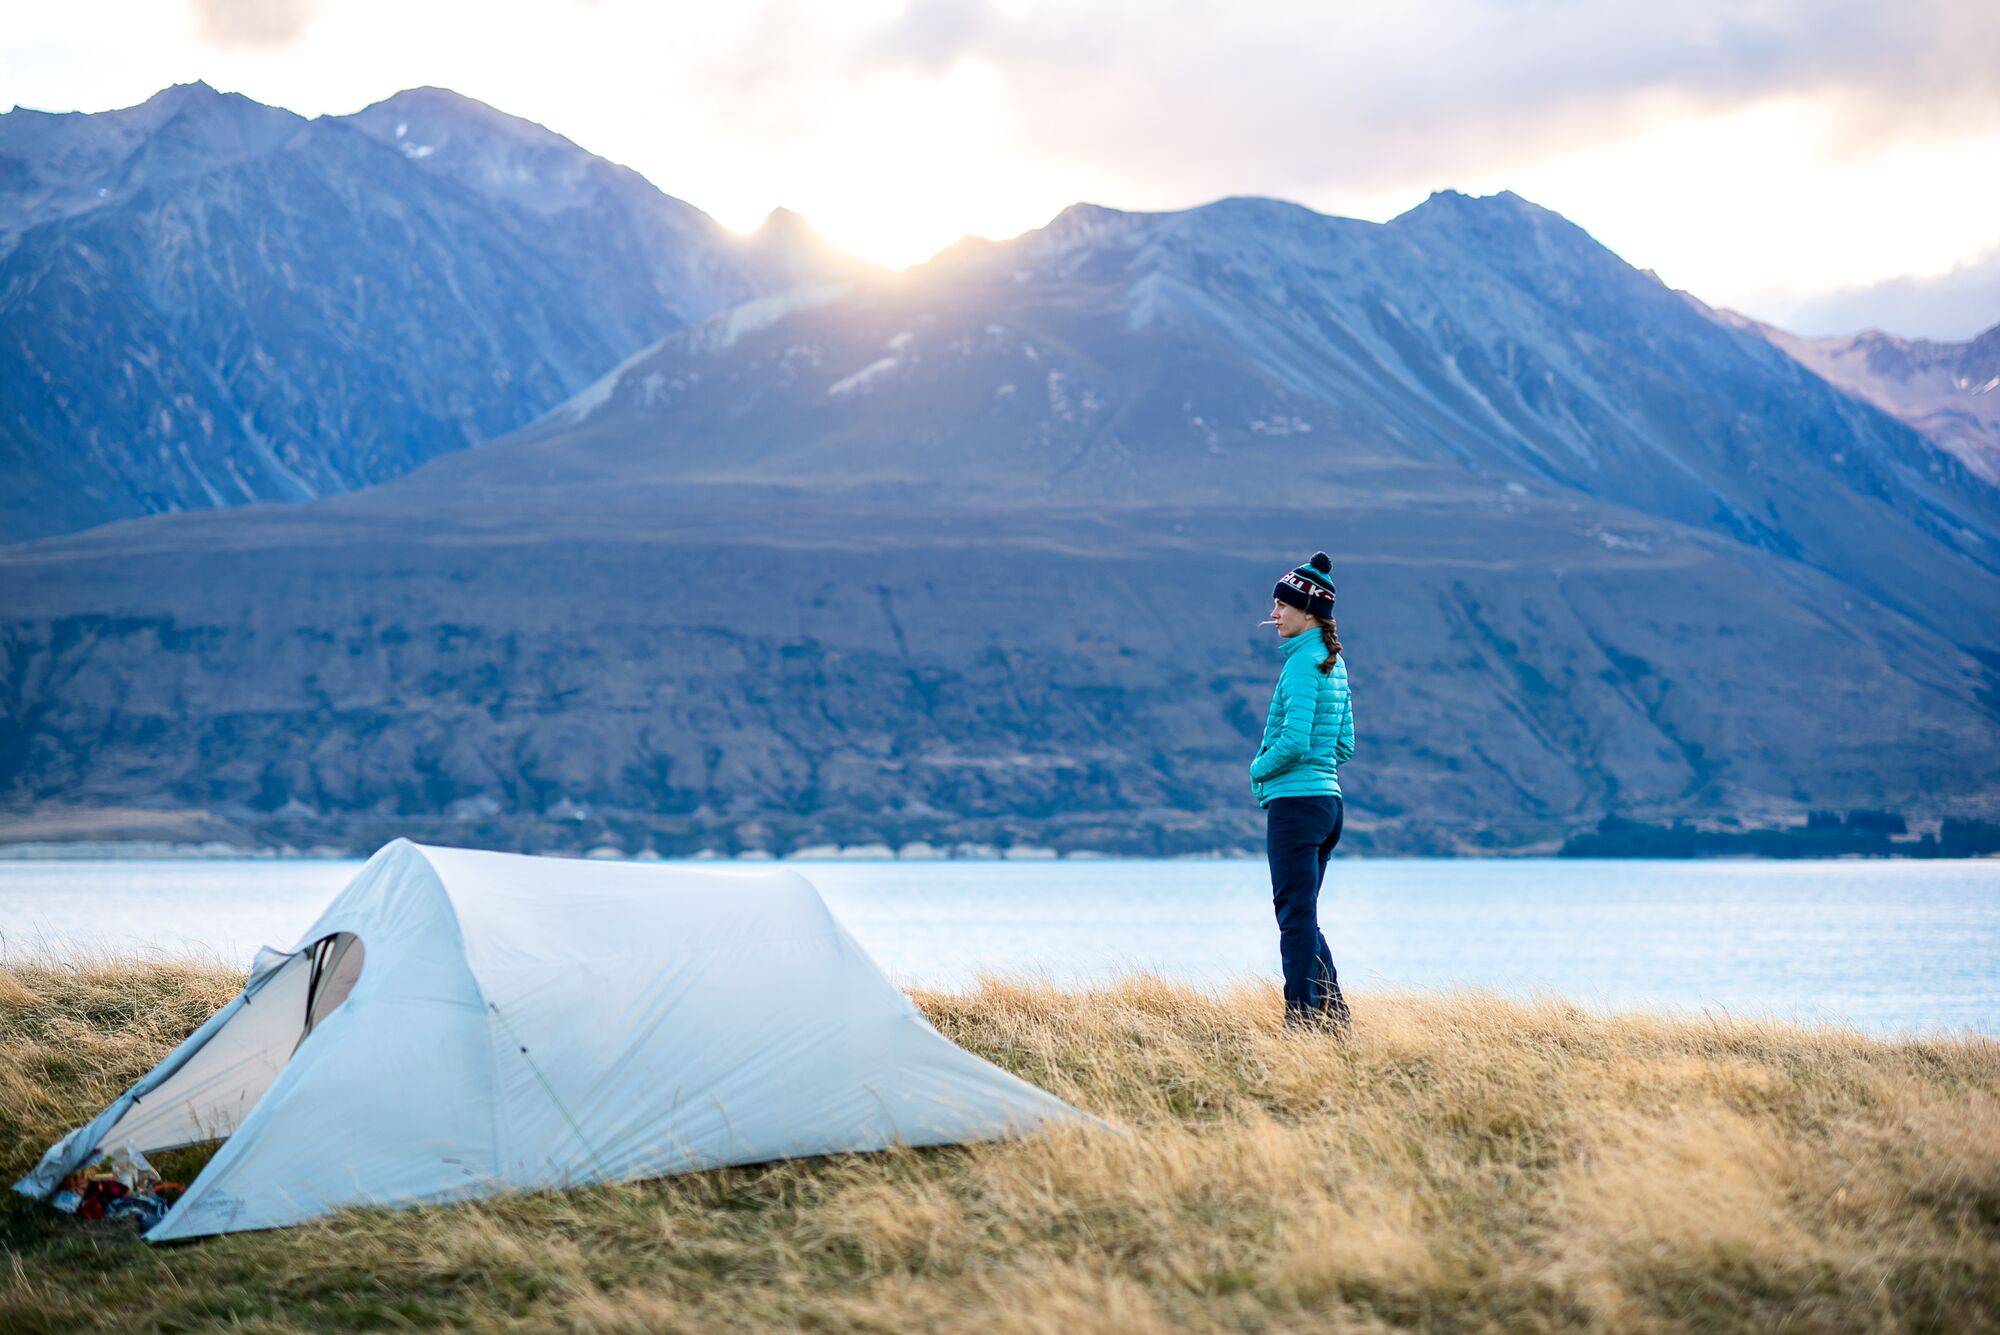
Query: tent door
x=336, y=963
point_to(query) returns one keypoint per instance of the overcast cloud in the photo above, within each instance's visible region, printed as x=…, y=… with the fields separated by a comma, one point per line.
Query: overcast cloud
x=253, y=23
x=1954, y=305
x=1314, y=95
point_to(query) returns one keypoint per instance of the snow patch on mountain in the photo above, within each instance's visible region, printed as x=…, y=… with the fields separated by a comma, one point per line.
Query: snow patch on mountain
x=602, y=390
x=739, y=322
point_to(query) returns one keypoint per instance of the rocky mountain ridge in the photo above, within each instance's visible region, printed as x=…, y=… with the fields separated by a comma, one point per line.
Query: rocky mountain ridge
x=206, y=301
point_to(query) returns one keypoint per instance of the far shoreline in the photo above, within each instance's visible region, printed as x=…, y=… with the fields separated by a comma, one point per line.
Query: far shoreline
x=144, y=834
x=142, y=851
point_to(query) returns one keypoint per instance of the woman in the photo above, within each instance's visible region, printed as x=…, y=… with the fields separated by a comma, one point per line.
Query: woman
x=1307, y=735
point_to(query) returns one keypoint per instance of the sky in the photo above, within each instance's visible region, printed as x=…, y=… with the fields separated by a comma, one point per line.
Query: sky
x=1827, y=165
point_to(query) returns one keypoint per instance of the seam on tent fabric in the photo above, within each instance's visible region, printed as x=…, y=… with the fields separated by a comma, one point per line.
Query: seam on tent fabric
x=501, y=1139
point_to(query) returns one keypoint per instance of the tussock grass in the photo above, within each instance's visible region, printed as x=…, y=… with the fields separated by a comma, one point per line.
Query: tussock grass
x=1464, y=1163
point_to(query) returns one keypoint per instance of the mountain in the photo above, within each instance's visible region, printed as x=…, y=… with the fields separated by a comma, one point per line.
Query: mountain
x=1948, y=391
x=205, y=301
x=974, y=553
x=1114, y=358
x=57, y=165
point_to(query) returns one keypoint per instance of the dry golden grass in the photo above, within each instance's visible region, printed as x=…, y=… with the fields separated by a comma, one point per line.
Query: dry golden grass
x=1463, y=1163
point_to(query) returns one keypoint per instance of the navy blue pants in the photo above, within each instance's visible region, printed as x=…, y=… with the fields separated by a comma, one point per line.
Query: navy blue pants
x=1300, y=833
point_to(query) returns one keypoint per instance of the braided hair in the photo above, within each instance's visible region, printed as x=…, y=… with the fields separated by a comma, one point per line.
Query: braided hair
x=1329, y=636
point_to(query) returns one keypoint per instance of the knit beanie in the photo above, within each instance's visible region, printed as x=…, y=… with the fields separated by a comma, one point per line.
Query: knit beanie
x=1308, y=588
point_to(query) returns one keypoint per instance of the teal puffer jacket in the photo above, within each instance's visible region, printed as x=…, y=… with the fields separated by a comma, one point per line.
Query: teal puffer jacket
x=1309, y=732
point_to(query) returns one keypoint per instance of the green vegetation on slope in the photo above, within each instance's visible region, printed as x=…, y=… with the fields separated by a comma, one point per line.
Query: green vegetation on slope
x=1463, y=1163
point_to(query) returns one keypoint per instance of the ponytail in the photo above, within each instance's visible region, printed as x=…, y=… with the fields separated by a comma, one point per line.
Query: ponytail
x=1329, y=636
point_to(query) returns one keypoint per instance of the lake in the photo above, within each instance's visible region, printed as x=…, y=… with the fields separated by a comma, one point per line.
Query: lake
x=1889, y=947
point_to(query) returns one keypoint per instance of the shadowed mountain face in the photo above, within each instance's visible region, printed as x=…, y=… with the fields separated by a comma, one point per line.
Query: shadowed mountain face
x=206, y=301
x=976, y=552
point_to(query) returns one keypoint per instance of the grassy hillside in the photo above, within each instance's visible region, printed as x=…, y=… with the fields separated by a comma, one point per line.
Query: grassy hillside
x=1463, y=1163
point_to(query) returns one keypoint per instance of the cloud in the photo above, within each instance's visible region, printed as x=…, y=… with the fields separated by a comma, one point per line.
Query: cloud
x=1952, y=306
x=253, y=23
x=1192, y=98
x=931, y=34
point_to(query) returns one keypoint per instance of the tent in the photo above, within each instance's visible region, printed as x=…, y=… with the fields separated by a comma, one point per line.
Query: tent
x=459, y=1023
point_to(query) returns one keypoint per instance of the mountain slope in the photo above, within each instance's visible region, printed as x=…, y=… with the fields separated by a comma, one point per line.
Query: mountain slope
x=205, y=301
x=1948, y=391
x=975, y=552
x=1477, y=346
x=715, y=667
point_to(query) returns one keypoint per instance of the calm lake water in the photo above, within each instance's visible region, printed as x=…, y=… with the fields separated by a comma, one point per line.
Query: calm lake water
x=1889, y=947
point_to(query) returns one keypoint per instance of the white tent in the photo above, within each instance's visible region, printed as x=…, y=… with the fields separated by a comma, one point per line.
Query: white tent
x=460, y=1023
